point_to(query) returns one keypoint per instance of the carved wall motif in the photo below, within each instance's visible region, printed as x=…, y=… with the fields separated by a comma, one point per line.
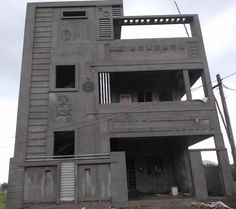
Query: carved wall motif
x=66, y=35
x=155, y=47
x=63, y=107
x=155, y=122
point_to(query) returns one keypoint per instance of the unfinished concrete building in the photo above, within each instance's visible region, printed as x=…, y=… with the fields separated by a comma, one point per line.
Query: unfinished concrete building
x=102, y=118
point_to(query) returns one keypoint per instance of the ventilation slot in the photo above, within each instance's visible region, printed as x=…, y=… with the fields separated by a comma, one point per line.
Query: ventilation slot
x=116, y=11
x=104, y=28
x=104, y=88
x=74, y=14
x=67, y=183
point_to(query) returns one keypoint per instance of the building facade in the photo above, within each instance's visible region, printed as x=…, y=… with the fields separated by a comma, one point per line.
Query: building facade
x=102, y=118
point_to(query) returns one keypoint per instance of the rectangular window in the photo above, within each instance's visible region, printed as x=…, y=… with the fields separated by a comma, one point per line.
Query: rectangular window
x=74, y=14
x=144, y=97
x=65, y=76
x=64, y=142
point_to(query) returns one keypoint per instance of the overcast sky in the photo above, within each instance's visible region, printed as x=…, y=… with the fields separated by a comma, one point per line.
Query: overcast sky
x=218, y=22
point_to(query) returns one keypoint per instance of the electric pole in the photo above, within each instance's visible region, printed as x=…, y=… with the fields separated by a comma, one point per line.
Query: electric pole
x=227, y=119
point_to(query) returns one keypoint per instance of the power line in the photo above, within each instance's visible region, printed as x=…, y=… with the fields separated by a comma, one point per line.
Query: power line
x=229, y=76
x=110, y=115
x=105, y=118
x=229, y=88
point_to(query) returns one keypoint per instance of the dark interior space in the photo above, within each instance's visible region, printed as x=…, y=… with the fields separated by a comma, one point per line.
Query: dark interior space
x=64, y=143
x=145, y=86
x=154, y=165
x=65, y=76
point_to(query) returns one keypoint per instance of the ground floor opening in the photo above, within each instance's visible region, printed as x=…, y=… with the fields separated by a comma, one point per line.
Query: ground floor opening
x=155, y=165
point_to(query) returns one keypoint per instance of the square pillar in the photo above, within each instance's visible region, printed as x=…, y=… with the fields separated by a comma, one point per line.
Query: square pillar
x=198, y=175
x=119, y=177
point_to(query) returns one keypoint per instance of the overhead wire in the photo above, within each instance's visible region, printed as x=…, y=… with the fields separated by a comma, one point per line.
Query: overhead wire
x=229, y=88
x=109, y=117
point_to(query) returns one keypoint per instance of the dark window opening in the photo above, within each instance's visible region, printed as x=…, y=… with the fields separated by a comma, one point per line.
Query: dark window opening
x=144, y=96
x=74, y=14
x=64, y=143
x=65, y=76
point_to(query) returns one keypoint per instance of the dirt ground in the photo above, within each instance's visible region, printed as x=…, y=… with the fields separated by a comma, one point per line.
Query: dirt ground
x=148, y=203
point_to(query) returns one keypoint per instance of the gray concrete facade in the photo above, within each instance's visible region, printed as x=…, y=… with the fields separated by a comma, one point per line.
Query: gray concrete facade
x=100, y=117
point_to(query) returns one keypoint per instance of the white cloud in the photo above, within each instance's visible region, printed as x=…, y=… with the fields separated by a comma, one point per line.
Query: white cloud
x=219, y=32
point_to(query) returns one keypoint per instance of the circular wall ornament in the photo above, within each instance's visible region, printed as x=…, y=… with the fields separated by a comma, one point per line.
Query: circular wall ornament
x=106, y=14
x=88, y=86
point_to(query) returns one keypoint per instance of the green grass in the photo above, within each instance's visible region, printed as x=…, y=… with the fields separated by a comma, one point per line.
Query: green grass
x=2, y=200
x=235, y=186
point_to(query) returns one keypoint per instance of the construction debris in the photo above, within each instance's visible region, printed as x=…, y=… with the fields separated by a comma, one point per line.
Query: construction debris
x=210, y=205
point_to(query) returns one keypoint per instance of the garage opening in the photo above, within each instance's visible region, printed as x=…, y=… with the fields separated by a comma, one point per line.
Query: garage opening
x=154, y=165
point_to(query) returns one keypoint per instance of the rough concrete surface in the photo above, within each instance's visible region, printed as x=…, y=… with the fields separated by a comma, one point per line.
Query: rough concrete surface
x=164, y=203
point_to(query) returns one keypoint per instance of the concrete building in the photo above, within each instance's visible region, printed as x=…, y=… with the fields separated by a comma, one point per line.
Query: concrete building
x=103, y=118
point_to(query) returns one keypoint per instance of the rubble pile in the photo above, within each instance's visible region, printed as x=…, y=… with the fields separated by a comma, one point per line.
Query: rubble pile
x=211, y=205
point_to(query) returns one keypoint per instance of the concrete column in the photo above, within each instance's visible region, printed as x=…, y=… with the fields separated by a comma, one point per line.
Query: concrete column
x=226, y=173
x=223, y=161
x=199, y=180
x=187, y=85
x=15, y=187
x=119, y=177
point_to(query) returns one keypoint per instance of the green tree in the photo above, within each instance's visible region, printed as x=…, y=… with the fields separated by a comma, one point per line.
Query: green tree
x=3, y=187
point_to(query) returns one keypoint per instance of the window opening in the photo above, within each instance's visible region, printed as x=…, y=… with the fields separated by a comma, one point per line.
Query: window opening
x=64, y=143
x=144, y=96
x=65, y=76
x=74, y=14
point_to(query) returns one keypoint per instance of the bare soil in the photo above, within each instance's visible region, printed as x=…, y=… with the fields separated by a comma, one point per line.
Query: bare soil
x=163, y=202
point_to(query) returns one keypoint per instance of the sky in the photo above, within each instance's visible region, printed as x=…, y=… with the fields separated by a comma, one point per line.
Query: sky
x=218, y=23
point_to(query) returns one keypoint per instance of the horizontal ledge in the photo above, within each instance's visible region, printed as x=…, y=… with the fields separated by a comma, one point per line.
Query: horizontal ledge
x=206, y=149
x=67, y=156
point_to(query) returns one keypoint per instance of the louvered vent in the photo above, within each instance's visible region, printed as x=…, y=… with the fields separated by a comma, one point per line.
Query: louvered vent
x=116, y=11
x=104, y=28
x=67, y=183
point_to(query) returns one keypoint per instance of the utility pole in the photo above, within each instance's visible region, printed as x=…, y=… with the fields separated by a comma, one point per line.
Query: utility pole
x=227, y=119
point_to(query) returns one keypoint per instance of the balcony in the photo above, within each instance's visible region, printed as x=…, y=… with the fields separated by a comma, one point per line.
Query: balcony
x=151, y=103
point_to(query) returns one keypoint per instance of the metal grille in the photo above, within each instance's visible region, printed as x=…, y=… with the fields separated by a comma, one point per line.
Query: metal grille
x=104, y=88
x=131, y=176
x=104, y=28
x=67, y=183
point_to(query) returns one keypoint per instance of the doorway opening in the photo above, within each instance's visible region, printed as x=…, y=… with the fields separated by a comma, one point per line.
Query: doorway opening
x=154, y=165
